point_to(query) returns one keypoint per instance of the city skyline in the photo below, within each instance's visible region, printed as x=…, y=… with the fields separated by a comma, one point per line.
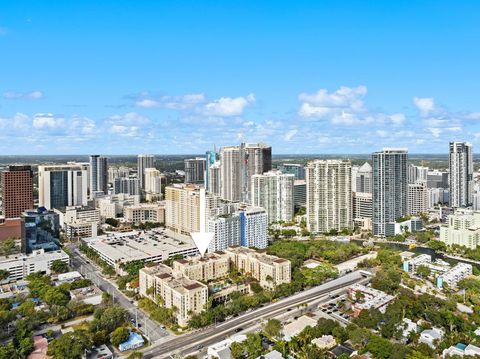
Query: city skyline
x=158, y=78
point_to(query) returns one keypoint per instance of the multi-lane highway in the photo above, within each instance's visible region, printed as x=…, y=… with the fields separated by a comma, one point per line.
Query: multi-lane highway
x=190, y=342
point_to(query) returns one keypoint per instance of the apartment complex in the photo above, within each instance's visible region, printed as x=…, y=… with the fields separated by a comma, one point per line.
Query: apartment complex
x=270, y=271
x=462, y=228
x=212, y=266
x=188, y=296
x=195, y=170
x=273, y=191
x=389, y=187
x=112, y=206
x=144, y=162
x=329, y=195
x=126, y=185
x=63, y=185
x=364, y=298
x=296, y=169
x=362, y=209
x=98, y=174
x=145, y=212
x=17, y=185
x=455, y=275
x=417, y=201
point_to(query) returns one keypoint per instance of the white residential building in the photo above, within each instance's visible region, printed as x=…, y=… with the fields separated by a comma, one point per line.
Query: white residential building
x=63, y=185
x=126, y=185
x=215, y=179
x=462, y=228
x=144, y=162
x=145, y=212
x=329, y=195
x=79, y=221
x=227, y=231
x=112, y=206
x=431, y=337
x=274, y=192
x=98, y=174
x=19, y=266
x=153, y=182
x=455, y=275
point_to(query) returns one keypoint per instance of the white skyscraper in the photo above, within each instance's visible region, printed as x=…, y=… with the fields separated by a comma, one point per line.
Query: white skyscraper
x=461, y=174
x=363, y=179
x=215, y=179
x=390, y=189
x=98, y=174
x=329, y=195
x=153, y=181
x=274, y=192
x=417, y=174
x=63, y=185
x=143, y=162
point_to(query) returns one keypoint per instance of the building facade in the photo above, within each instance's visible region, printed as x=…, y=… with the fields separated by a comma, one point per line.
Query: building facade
x=462, y=228
x=273, y=191
x=145, y=212
x=296, y=169
x=195, y=170
x=461, y=174
x=329, y=195
x=143, y=162
x=17, y=185
x=98, y=174
x=417, y=198
x=125, y=185
x=389, y=187
x=63, y=185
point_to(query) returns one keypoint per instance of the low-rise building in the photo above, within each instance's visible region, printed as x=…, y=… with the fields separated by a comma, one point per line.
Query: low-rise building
x=156, y=245
x=461, y=350
x=112, y=206
x=212, y=266
x=221, y=350
x=454, y=275
x=40, y=348
x=134, y=341
x=10, y=228
x=88, y=295
x=21, y=265
x=407, y=326
x=412, y=225
x=269, y=270
x=99, y=352
x=79, y=221
x=188, y=296
x=369, y=298
x=431, y=337
x=145, y=212
x=412, y=264
x=325, y=342
x=68, y=277
x=294, y=328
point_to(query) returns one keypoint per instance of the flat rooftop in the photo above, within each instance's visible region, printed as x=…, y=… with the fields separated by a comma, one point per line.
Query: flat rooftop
x=138, y=245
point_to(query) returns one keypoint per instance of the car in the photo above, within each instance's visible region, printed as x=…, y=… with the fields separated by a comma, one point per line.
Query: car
x=289, y=309
x=199, y=347
x=238, y=330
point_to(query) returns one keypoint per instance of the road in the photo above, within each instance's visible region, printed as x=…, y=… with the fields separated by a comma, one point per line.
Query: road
x=189, y=342
x=149, y=328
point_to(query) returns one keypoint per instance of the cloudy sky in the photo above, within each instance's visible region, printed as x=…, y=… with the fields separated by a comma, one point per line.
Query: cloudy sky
x=173, y=77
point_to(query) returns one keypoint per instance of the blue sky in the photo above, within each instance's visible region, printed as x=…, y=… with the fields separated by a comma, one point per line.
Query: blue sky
x=126, y=77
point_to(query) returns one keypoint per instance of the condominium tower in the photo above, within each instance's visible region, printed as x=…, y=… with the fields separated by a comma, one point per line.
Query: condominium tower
x=195, y=170
x=98, y=174
x=17, y=184
x=389, y=187
x=273, y=191
x=461, y=174
x=143, y=162
x=329, y=195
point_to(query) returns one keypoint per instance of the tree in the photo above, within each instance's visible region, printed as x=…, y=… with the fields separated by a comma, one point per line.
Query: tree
x=236, y=349
x=437, y=245
x=108, y=319
x=4, y=274
x=70, y=345
x=119, y=336
x=112, y=222
x=59, y=266
x=272, y=328
x=55, y=296
x=423, y=271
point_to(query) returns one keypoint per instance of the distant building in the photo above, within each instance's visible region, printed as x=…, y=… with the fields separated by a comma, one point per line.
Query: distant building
x=11, y=228
x=461, y=174
x=113, y=205
x=126, y=185
x=389, y=188
x=329, y=195
x=153, y=183
x=300, y=193
x=211, y=157
x=363, y=179
x=417, y=174
x=117, y=172
x=188, y=296
x=455, y=275
x=438, y=196
x=417, y=198
x=145, y=212
x=195, y=170
x=17, y=185
x=412, y=225
x=293, y=168
x=98, y=174
x=462, y=228
x=362, y=209
x=41, y=230
x=19, y=266
x=63, y=185
x=79, y=221
x=273, y=191
x=437, y=179
x=143, y=162
x=215, y=179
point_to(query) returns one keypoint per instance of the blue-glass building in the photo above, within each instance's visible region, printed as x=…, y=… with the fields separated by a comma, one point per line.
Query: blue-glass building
x=41, y=230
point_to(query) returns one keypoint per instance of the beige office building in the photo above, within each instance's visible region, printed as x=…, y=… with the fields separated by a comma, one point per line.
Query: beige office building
x=188, y=296
x=145, y=212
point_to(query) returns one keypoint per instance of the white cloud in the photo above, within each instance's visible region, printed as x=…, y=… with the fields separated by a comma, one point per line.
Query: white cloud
x=323, y=104
x=436, y=132
x=290, y=134
x=228, y=106
x=426, y=105
x=32, y=95
x=397, y=119
x=182, y=102
x=47, y=121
